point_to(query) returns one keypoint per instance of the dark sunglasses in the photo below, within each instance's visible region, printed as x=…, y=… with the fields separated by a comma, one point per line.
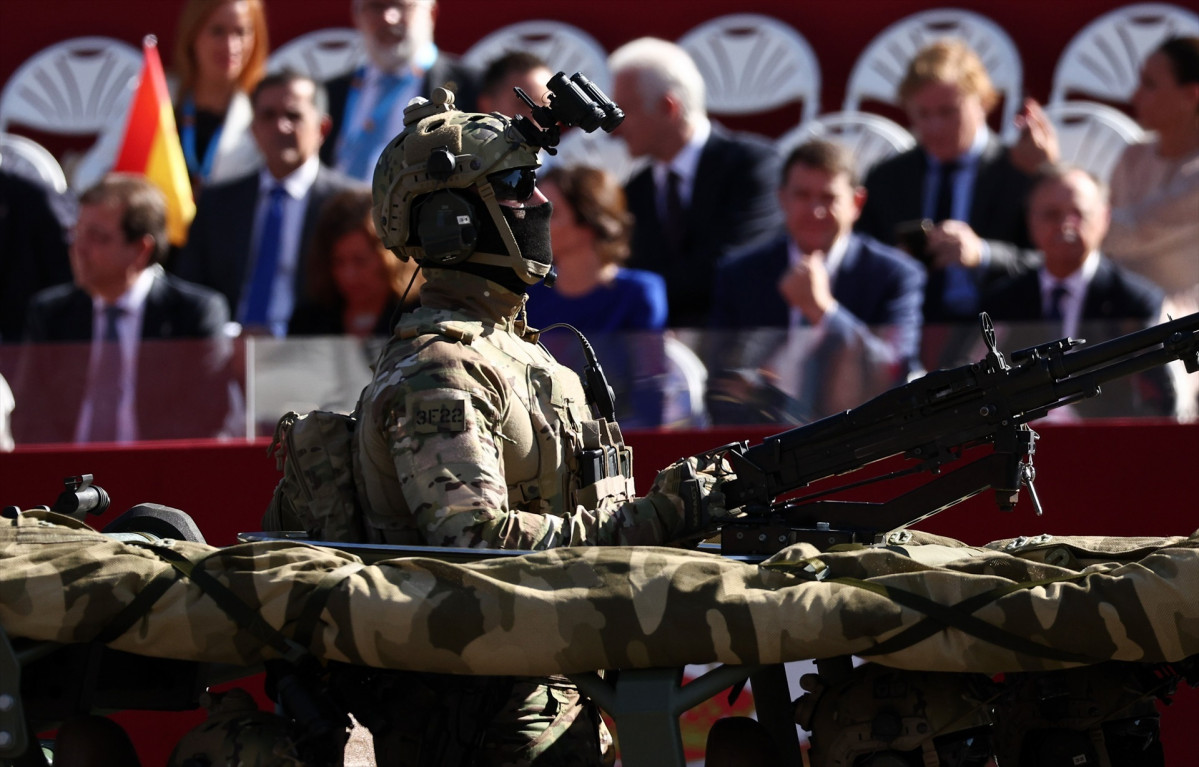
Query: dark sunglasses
x=514, y=185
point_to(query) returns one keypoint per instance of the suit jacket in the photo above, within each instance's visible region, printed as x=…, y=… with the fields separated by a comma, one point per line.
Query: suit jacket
x=33, y=248
x=1113, y=294
x=219, y=243
x=869, y=344
x=1117, y=301
x=895, y=194
x=733, y=204
x=182, y=386
x=446, y=71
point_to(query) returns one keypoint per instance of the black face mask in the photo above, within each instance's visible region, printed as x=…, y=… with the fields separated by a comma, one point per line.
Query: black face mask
x=531, y=228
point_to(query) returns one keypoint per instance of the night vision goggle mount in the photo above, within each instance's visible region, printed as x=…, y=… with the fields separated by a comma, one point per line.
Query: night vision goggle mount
x=573, y=101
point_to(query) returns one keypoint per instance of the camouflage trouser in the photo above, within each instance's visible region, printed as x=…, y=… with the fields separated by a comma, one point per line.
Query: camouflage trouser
x=439, y=720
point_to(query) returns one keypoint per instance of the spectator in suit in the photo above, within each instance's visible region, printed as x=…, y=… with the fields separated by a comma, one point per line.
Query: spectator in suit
x=623, y=311
x=515, y=69
x=832, y=316
x=220, y=55
x=1155, y=184
x=117, y=385
x=368, y=105
x=356, y=286
x=705, y=192
x=33, y=247
x=251, y=236
x=1077, y=291
x=959, y=178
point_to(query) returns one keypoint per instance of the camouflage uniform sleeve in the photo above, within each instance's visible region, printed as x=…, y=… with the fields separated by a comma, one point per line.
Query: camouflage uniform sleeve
x=443, y=429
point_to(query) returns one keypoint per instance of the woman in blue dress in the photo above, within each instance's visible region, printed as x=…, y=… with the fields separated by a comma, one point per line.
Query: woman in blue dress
x=622, y=311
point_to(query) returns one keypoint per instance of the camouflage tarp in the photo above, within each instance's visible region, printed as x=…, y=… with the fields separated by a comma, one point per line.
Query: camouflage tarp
x=929, y=603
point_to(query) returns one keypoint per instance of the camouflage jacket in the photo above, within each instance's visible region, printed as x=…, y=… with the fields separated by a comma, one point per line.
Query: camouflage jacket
x=471, y=434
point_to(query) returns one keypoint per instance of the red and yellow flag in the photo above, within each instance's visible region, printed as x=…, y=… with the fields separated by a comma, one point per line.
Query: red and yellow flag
x=151, y=144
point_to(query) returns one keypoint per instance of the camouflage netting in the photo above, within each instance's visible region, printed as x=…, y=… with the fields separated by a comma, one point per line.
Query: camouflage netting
x=930, y=603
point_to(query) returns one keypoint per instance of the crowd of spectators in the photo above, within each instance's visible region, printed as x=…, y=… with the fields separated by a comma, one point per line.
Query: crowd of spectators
x=811, y=285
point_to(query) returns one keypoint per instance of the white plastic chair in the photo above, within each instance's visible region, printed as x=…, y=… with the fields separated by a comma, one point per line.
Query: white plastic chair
x=1103, y=61
x=881, y=65
x=78, y=86
x=686, y=382
x=563, y=47
x=29, y=159
x=321, y=55
x=1092, y=136
x=870, y=138
x=754, y=63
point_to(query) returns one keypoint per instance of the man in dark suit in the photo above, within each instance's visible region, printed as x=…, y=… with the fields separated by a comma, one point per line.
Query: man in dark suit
x=367, y=106
x=117, y=385
x=830, y=316
x=965, y=186
x=706, y=191
x=1076, y=291
x=33, y=247
x=251, y=235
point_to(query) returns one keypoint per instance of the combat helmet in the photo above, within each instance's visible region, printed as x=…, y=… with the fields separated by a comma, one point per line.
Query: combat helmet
x=885, y=717
x=236, y=732
x=438, y=187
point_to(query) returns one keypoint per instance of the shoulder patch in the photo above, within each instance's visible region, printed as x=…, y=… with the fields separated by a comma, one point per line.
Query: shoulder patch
x=431, y=415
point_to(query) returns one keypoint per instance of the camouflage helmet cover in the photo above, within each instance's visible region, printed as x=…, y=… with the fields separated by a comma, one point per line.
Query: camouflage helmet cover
x=480, y=144
x=877, y=709
x=236, y=732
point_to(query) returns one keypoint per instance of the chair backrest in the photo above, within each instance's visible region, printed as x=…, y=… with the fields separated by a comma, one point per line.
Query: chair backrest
x=1103, y=61
x=881, y=65
x=563, y=47
x=29, y=159
x=77, y=86
x=321, y=55
x=1092, y=136
x=870, y=138
x=754, y=63
x=686, y=382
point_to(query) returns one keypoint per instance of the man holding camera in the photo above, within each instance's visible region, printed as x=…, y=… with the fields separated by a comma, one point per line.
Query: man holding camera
x=956, y=201
x=471, y=435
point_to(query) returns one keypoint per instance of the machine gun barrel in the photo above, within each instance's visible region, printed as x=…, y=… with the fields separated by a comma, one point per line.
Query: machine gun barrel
x=936, y=416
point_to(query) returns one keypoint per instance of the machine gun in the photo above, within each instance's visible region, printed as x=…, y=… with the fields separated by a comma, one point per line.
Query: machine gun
x=932, y=420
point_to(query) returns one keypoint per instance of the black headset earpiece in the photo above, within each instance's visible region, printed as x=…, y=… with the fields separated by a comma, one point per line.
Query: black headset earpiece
x=445, y=224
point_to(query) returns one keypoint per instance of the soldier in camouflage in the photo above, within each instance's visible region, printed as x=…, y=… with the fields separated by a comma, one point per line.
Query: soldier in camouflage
x=471, y=434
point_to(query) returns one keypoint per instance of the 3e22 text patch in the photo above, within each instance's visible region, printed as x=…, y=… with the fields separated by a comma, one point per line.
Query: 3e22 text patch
x=434, y=415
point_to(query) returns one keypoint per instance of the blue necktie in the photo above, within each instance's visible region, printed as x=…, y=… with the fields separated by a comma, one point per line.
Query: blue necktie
x=266, y=264
x=960, y=294
x=109, y=382
x=360, y=151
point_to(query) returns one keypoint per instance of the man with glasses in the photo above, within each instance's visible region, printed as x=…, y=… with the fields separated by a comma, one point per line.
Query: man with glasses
x=403, y=62
x=471, y=435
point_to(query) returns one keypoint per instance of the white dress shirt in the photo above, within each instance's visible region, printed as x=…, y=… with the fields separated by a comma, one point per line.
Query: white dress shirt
x=129, y=335
x=297, y=185
x=1076, y=284
x=685, y=164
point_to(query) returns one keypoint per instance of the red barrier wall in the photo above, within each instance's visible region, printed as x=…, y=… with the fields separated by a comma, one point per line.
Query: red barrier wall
x=1122, y=479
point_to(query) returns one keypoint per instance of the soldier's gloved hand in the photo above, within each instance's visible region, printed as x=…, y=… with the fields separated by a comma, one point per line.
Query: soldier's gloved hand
x=694, y=487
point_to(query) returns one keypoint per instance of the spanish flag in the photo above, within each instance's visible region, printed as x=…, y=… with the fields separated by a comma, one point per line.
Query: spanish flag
x=151, y=144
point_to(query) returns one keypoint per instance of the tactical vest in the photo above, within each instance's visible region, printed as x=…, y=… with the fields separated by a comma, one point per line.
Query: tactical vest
x=555, y=457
